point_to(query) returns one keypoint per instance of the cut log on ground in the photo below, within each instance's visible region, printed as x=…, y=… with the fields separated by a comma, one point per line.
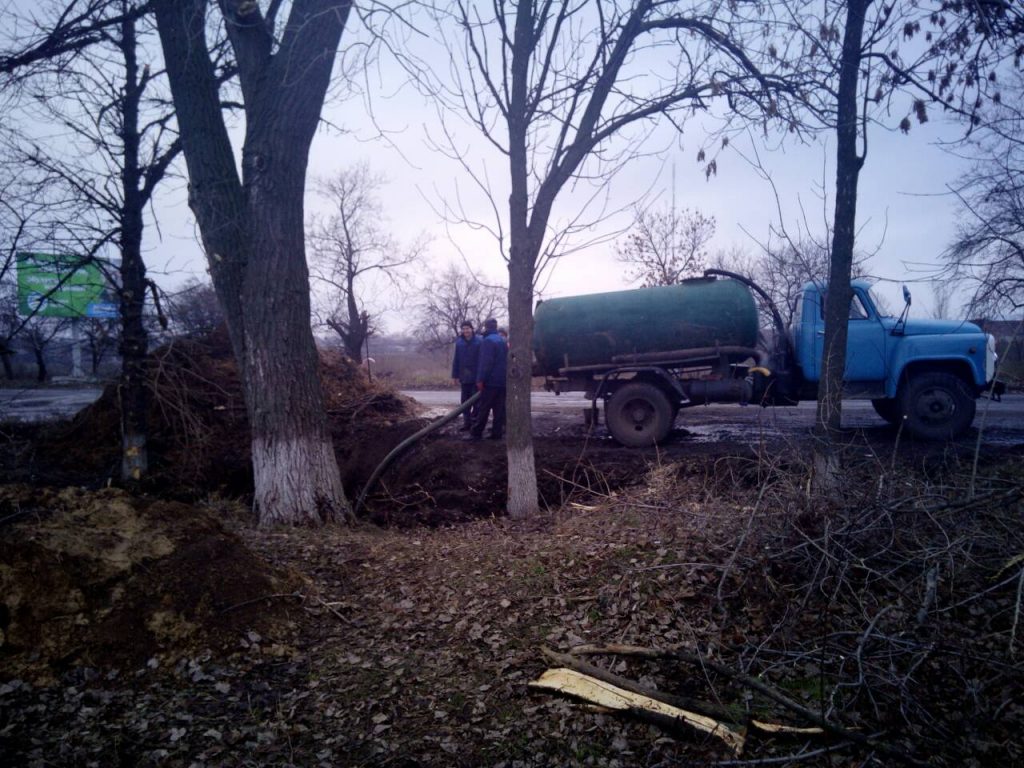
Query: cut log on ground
x=569, y=682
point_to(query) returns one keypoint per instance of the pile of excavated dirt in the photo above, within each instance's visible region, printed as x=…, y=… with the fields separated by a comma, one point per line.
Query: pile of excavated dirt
x=199, y=433
x=199, y=444
x=103, y=578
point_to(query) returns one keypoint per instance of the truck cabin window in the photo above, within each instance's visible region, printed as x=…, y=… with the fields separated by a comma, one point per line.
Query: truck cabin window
x=857, y=309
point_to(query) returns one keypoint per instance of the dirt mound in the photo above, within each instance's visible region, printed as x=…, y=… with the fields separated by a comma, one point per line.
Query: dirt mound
x=103, y=578
x=199, y=433
x=444, y=479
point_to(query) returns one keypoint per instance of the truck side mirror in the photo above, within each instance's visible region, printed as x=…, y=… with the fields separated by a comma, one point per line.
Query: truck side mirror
x=901, y=322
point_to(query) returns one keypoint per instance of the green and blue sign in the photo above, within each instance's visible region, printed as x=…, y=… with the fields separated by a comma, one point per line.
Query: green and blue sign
x=63, y=285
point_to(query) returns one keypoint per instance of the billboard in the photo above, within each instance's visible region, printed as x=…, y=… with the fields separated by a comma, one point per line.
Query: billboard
x=63, y=285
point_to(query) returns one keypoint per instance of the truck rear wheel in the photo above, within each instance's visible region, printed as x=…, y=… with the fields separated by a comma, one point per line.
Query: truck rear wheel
x=638, y=415
x=937, y=406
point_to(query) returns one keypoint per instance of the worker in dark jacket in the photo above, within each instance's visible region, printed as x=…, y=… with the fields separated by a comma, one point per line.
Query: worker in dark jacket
x=465, y=363
x=490, y=381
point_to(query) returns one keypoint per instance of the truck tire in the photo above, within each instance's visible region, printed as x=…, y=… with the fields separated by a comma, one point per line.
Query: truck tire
x=936, y=406
x=638, y=415
x=888, y=408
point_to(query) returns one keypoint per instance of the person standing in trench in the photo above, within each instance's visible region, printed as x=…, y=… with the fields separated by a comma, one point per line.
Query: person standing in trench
x=465, y=363
x=490, y=381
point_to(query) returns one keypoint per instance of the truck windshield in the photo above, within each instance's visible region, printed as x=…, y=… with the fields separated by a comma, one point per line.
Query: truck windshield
x=881, y=307
x=857, y=309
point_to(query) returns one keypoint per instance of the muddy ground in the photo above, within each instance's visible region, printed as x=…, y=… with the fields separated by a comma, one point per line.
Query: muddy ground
x=161, y=627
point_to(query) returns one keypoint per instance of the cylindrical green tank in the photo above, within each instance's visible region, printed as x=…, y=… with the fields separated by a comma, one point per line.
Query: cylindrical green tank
x=590, y=330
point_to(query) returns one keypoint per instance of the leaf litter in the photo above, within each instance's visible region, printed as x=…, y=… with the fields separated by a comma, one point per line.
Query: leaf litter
x=140, y=630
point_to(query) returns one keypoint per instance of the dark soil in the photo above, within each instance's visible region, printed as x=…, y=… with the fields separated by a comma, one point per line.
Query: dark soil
x=162, y=628
x=103, y=578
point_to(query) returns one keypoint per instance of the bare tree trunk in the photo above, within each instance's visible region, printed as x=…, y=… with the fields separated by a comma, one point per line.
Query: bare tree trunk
x=297, y=478
x=252, y=230
x=134, y=338
x=522, y=473
x=837, y=305
x=848, y=165
x=356, y=327
x=41, y=373
x=522, y=264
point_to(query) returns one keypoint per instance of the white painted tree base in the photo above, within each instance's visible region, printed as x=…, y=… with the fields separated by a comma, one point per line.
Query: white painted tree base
x=297, y=483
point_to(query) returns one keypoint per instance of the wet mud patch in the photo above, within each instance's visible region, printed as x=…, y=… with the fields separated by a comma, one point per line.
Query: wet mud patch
x=102, y=578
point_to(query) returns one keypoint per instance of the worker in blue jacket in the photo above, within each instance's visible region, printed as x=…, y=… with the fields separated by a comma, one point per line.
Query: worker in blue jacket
x=465, y=363
x=490, y=381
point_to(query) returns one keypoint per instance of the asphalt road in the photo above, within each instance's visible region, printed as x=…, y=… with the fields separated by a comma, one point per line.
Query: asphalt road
x=1003, y=424
x=45, y=404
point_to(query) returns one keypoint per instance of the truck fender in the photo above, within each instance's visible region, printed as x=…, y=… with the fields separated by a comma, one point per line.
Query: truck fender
x=960, y=367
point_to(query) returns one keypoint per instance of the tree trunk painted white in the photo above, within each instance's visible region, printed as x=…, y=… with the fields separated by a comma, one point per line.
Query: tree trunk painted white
x=252, y=228
x=297, y=482
x=522, y=483
x=522, y=473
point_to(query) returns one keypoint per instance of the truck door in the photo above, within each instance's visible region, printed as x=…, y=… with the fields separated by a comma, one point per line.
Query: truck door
x=865, y=342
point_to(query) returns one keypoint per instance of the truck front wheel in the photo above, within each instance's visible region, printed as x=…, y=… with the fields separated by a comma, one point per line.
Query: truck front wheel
x=638, y=415
x=937, y=406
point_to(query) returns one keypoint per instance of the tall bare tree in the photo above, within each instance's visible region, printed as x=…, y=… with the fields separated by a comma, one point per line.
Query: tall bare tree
x=450, y=297
x=352, y=244
x=38, y=333
x=109, y=145
x=988, y=250
x=101, y=338
x=784, y=267
x=871, y=60
x=251, y=221
x=9, y=321
x=566, y=92
x=666, y=245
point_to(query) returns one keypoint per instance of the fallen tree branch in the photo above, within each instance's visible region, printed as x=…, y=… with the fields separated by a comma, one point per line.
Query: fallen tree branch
x=573, y=684
x=682, y=702
x=755, y=684
x=706, y=708
x=276, y=596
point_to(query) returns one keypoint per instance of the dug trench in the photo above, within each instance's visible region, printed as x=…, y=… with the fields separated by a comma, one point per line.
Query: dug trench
x=199, y=445
x=161, y=627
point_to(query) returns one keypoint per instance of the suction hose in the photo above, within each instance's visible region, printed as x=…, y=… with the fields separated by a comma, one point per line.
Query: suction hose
x=405, y=444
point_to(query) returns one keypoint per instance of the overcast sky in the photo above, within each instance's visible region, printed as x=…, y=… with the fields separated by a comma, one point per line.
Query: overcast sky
x=905, y=211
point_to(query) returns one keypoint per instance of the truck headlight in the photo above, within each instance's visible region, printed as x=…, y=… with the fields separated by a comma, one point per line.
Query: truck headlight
x=990, y=357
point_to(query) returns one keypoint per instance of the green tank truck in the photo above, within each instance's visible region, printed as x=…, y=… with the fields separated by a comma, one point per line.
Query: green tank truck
x=649, y=352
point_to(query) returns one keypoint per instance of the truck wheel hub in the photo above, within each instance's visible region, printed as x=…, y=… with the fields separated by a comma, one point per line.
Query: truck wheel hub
x=640, y=413
x=937, y=405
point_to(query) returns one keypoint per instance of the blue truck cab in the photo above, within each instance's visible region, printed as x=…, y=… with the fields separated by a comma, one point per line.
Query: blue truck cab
x=923, y=374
